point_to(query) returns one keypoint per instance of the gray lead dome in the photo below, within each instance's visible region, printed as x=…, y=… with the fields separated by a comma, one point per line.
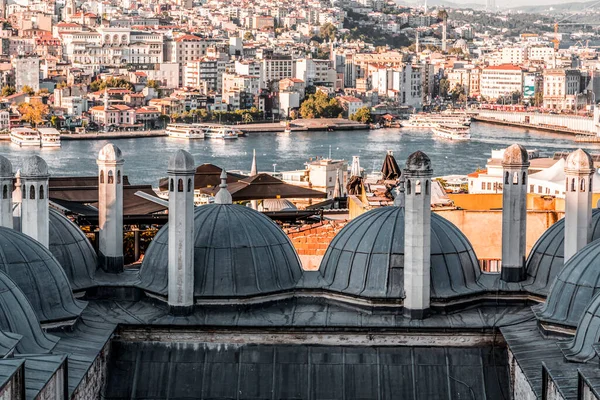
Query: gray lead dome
x=181, y=161
x=34, y=166
x=37, y=273
x=238, y=252
x=366, y=258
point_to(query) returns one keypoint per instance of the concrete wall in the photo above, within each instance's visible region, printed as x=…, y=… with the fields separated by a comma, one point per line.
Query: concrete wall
x=484, y=228
x=571, y=122
x=521, y=389
x=91, y=385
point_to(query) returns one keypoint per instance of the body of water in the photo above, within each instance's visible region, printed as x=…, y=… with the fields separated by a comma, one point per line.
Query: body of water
x=146, y=158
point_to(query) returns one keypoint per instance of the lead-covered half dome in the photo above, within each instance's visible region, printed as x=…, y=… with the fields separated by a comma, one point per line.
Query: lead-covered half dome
x=366, y=258
x=547, y=257
x=39, y=276
x=573, y=289
x=73, y=251
x=238, y=252
x=582, y=347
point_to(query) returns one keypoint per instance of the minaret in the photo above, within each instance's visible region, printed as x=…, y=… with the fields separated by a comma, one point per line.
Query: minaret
x=110, y=208
x=579, y=171
x=515, y=164
x=181, y=232
x=355, y=168
x=445, y=34
x=337, y=189
x=17, y=198
x=6, y=186
x=34, y=204
x=253, y=172
x=223, y=196
x=417, y=236
x=105, y=101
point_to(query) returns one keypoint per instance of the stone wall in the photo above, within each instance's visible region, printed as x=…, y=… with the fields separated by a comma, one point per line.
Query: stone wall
x=55, y=387
x=520, y=387
x=552, y=392
x=91, y=385
x=311, y=241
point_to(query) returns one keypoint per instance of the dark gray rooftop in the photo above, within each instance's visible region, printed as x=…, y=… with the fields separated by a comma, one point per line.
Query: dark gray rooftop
x=8, y=367
x=574, y=288
x=39, y=370
x=546, y=258
x=72, y=250
x=238, y=252
x=366, y=258
x=228, y=371
x=41, y=278
x=581, y=347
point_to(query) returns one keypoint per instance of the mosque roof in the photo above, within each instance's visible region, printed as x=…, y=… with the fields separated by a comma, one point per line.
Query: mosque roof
x=515, y=155
x=181, y=161
x=366, y=258
x=207, y=175
x=34, y=166
x=581, y=347
x=276, y=205
x=110, y=152
x=6, y=169
x=238, y=252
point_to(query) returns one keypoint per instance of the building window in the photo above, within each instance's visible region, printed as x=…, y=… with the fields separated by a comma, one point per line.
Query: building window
x=573, y=185
x=506, y=178
x=408, y=187
x=171, y=186
x=180, y=185
x=32, y=192
x=111, y=178
x=531, y=188
x=524, y=178
x=489, y=186
x=118, y=176
x=5, y=192
x=101, y=176
x=516, y=178
x=582, y=188
x=41, y=194
x=482, y=185
x=189, y=189
x=418, y=187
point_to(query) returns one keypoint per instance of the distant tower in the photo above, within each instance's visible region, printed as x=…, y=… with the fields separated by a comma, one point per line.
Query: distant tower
x=337, y=189
x=417, y=46
x=34, y=205
x=515, y=165
x=579, y=170
x=110, y=208
x=223, y=196
x=425, y=7
x=181, y=232
x=445, y=34
x=105, y=101
x=355, y=168
x=6, y=185
x=70, y=8
x=417, y=235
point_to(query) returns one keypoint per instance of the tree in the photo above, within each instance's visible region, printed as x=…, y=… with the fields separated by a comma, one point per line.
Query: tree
x=110, y=82
x=247, y=118
x=153, y=84
x=538, y=98
x=362, y=115
x=248, y=36
x=61, y=85
x=33, y=113
x=28, y=90
x=444, y=87
x=54, y=121
x=174, y=117
x=8, y=90
x=328, y=31
x=319, y=105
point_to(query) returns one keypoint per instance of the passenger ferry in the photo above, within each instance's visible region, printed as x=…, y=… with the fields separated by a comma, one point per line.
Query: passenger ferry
x=49, y=137
x=25, y=137
x=288, y=128
x=220, y=132
x=184, y=131
x=429, y=121
x=452, y=131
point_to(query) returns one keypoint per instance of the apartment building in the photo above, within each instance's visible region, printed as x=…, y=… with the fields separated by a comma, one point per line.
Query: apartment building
x=501, y=80
x=240, y=91
x=561, y=87
x=275, y=69
x=205, y=74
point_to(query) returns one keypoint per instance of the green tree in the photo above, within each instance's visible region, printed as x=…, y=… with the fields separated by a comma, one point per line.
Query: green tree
x=110, y=82
x=248, y=36
x=362, y=115
x=27, y=90
x=174, y=117
x=247, y=118
x=61, y=85
x=54, y=121
x=444, y=87
x=153, y=84
x=8, y=90
x=538, y=98
x=319, y=105
x=33, y=113
x=328, y=31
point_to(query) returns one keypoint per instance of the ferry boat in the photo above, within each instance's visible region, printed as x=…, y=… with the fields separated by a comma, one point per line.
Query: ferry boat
x=452, y=131
x=49, y=137
x=184, y=131
x=220, y=132
x=287, y=129
x=25, y=137
x=429, y=121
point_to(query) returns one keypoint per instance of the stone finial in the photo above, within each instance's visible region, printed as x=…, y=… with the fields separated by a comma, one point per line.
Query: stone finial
x=223, y=196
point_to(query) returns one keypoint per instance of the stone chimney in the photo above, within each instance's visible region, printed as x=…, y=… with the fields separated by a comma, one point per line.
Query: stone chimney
x=34, y=203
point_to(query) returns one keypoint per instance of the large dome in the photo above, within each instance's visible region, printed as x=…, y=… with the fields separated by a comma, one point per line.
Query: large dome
x=366, y=258
x=39, y=276
x=547, y=257
x=573, y=288
x=581, y=347
x=238, y=252
x=72, y=250
x=17, y=316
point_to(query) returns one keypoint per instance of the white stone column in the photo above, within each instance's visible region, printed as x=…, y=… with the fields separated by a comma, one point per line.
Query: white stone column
x=110, y=208
x=34, y=203
x=417, y=236
x=515, y=164
x=579, y=171
x=181, y=232
x=6, y=192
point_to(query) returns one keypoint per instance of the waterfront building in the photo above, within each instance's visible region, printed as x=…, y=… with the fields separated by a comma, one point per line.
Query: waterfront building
x=562, y=89
x=501, y=80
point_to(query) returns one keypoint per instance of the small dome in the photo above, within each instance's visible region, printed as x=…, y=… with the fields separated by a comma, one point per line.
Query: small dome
x=460, y=43
x=547, y=256
x=110, y=152
x=34, y=166
x=515, y=155
x=37, y=273
x=238, y=252
x=72, y=250
x=17, y=316
x=366, y=258
x=182, y=161
x=581, y=347
x=579, y=161
x=418, y=161
x=6, y=169
x=573, y=288
x=276, y=205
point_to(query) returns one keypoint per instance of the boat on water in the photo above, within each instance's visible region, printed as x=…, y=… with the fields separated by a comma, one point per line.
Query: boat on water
x=184, y=131
x=221, y=132
x=452, y=131
x=49, y=137
x=429, y=121
x=25, y=137
x=287, y=129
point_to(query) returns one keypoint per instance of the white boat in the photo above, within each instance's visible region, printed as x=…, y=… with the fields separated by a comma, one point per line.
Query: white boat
x=428, y=121
x=184, y=131
x=452, y=131
x=288, y=129
x=49, y=137
x=220, y=132
x=25, y=137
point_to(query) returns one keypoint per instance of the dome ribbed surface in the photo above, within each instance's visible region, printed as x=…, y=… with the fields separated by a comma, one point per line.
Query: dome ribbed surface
x=17, y=316
x=581, y=347
x=574, y=287
x=366, y=258
x=39, y=276
x=238, y=252
x=72, y=250
x=547, y=257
